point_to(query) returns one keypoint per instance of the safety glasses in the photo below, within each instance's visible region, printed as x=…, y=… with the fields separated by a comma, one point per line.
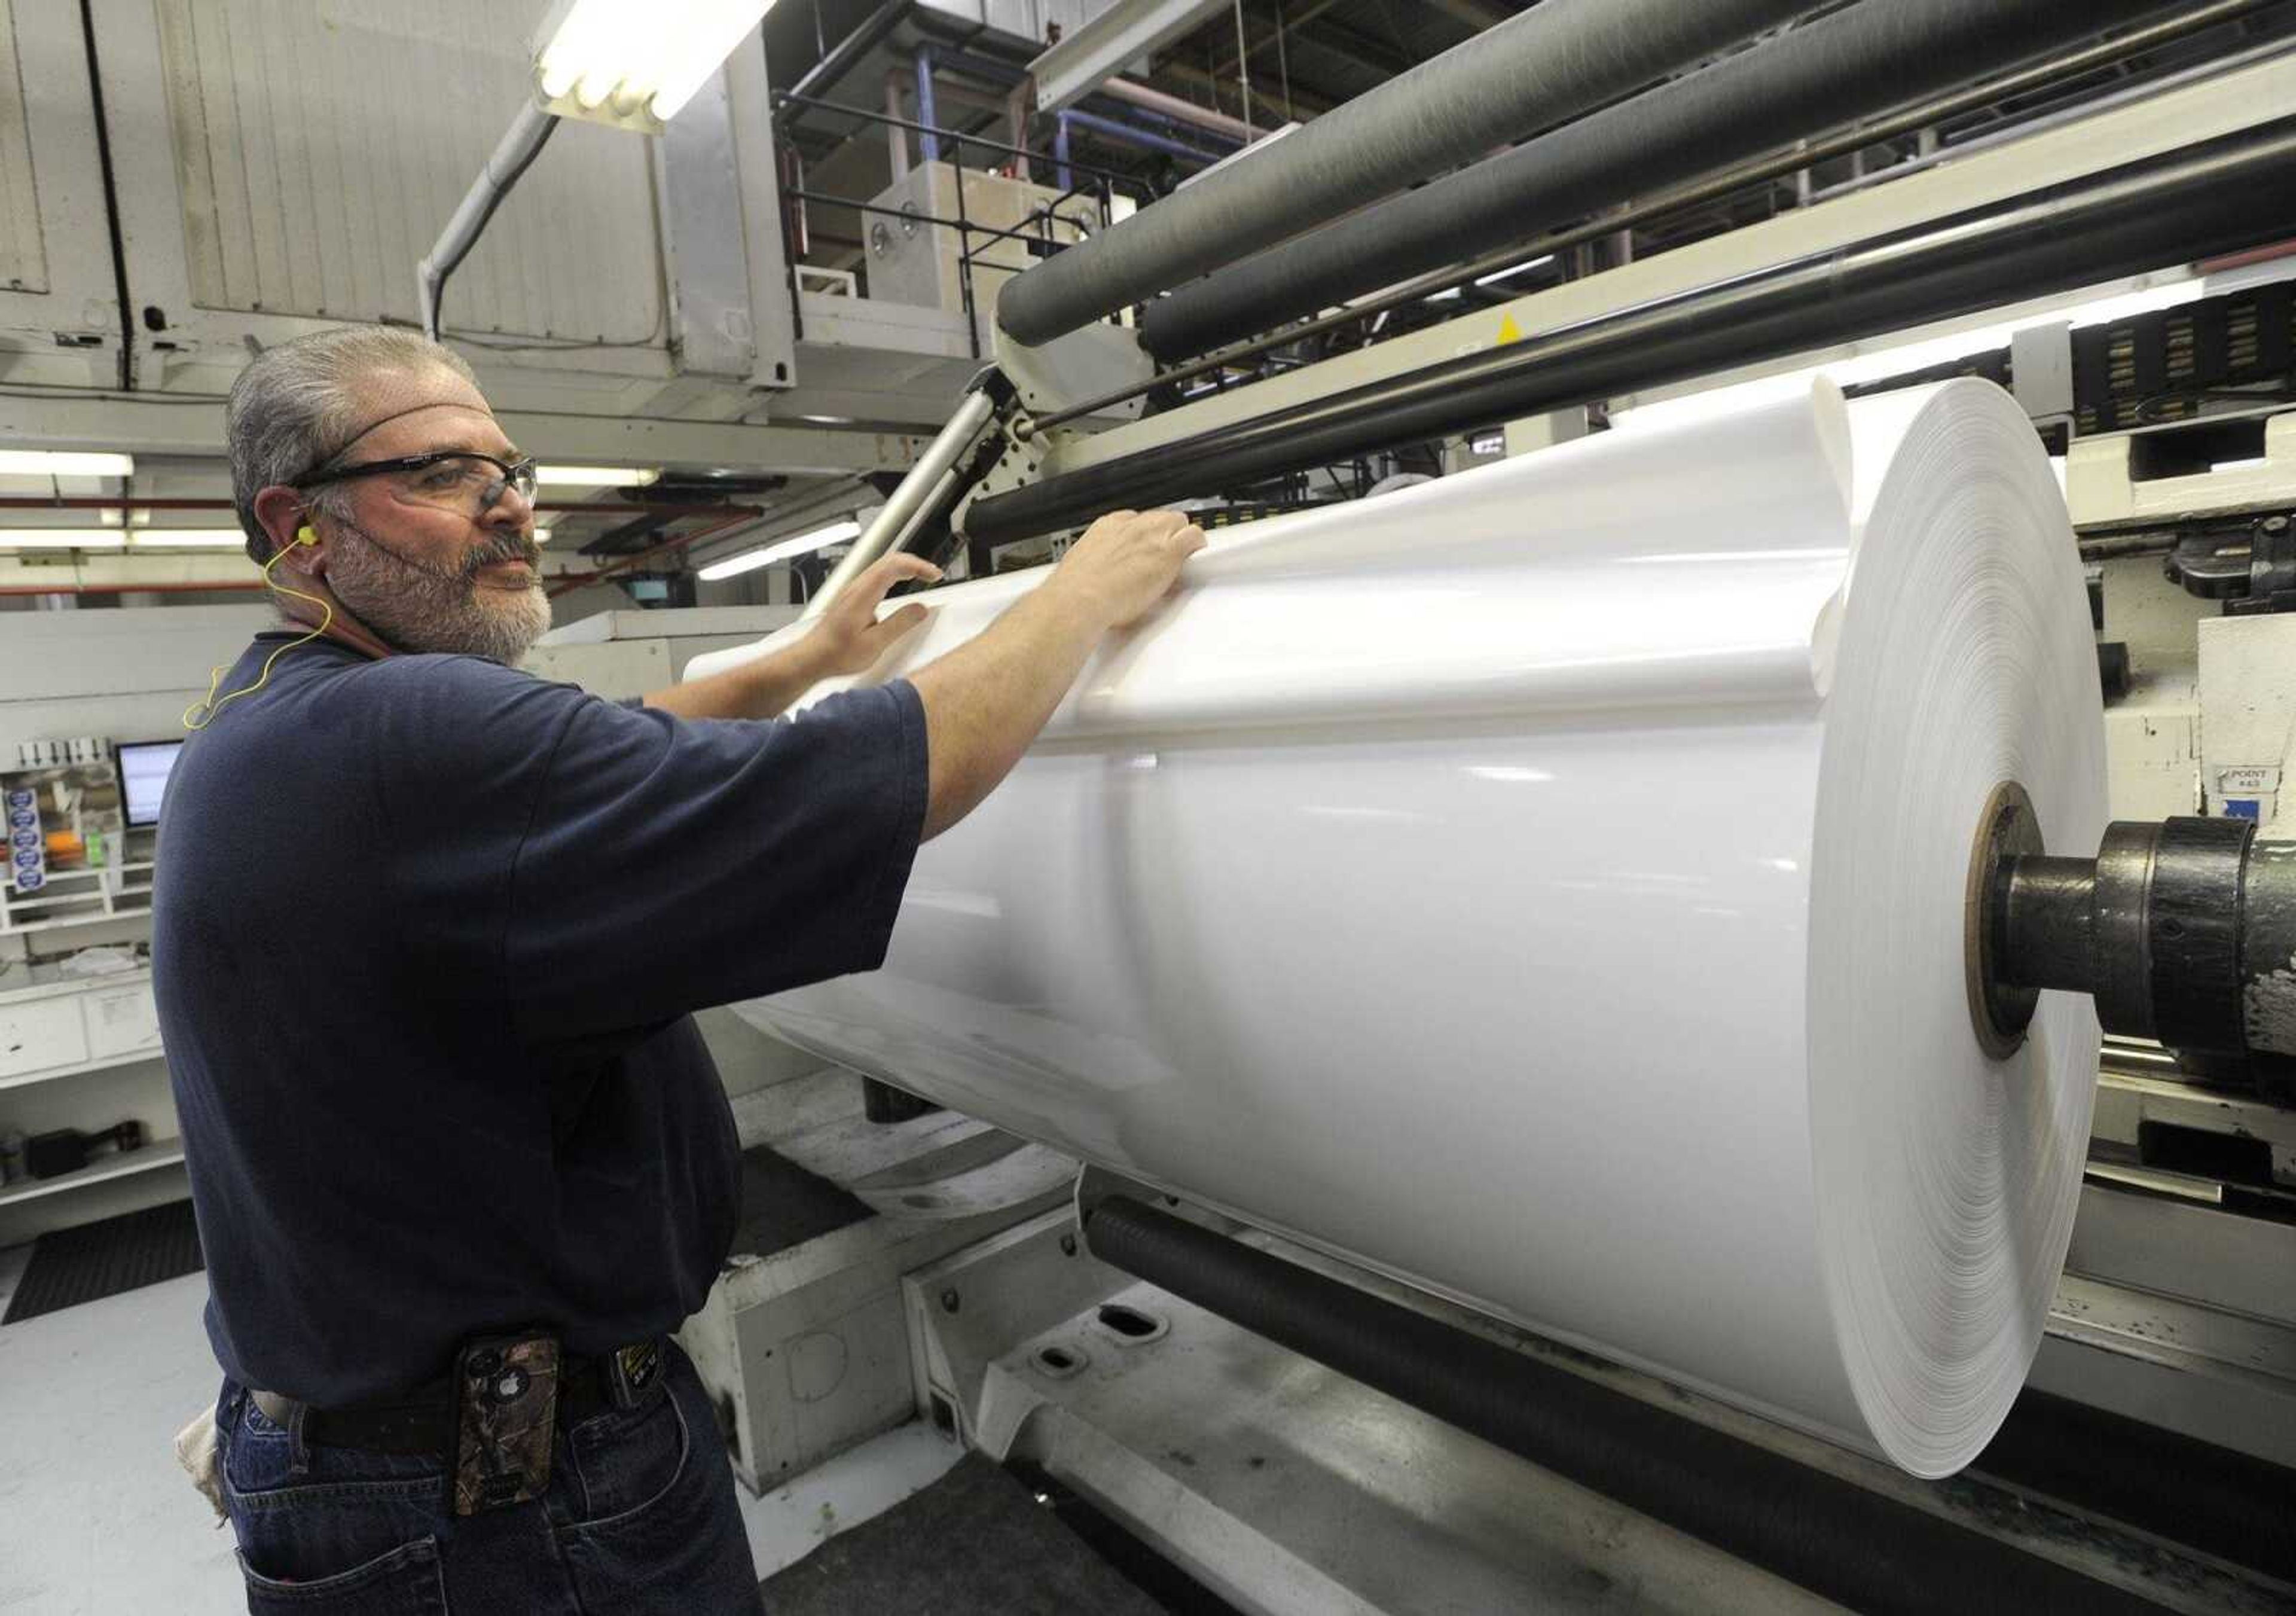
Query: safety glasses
x=454, y=479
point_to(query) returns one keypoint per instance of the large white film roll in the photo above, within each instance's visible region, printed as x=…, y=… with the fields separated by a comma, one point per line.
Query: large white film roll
x=1546, y=885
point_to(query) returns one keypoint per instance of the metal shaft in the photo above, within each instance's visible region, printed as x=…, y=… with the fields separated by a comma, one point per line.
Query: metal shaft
x=1852, y=137
x=899, y=515
x=1866, y=1551
x=2200, y=201
x=2184, y=931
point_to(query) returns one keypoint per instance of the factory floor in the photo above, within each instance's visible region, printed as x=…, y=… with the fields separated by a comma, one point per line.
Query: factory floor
x=96, y=1519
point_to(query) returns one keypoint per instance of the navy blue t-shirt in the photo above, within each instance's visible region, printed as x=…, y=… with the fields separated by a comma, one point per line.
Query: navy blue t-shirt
x=427, y=937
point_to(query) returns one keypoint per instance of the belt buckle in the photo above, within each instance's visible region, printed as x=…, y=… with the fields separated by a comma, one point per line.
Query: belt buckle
x=632, y=1371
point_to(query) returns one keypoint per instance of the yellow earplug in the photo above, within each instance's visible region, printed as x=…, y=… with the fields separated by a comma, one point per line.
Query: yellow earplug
x=199, y=713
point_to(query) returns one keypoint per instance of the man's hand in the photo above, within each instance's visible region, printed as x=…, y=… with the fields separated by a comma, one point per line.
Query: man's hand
x=847, y=637
x=986, y=701
x=1125, y=564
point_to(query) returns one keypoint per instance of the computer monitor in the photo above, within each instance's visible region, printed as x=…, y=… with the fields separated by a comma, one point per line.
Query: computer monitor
x=143, y=766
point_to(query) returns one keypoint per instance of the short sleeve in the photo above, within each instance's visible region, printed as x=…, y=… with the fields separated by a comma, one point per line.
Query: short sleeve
x=673, y=863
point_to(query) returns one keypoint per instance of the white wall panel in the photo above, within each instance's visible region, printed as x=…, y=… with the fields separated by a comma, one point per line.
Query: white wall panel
x=58, y=304
x=23, y=258
x=318, y=149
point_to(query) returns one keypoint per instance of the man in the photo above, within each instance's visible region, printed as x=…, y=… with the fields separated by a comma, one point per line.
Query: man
x=428, y=931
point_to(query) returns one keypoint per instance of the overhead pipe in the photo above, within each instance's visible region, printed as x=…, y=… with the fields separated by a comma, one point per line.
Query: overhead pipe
x=1840, y=68
x=1551, y=63
x=2204, y=199
x=1917, y=116
x=1135, y=136
x=1179, y=110
x=519, y=145
x=928, y=115
x=897, y=138
x=1171, y=109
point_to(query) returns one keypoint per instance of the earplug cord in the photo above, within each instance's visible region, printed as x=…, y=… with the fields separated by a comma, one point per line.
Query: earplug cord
x=208, y=705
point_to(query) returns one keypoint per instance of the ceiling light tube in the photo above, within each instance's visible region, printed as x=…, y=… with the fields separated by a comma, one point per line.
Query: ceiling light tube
x=765, y=555
x=186, y=538
x=1501, y=274
x=597, y=476
x=633, y=63
x=64, y=463
x=63, y=538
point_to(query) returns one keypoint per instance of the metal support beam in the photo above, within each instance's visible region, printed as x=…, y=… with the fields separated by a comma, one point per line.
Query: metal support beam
x=1477, y=14
x=703, y=252
x=161, y=426
x=1099, y=50
x=772, y=296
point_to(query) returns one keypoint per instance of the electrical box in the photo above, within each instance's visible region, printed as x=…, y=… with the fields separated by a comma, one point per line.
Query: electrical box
x=2248, y=715
x=913, y=260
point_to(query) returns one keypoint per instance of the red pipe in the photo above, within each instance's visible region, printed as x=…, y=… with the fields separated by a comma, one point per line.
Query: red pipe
x=20, y=502
x=568, y=581
x=2254, y=255
x=220, y=583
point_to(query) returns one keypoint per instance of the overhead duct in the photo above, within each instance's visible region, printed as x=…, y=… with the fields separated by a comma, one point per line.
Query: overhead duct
x=1551, y=63
x=1836, y=69
x=2205, y=200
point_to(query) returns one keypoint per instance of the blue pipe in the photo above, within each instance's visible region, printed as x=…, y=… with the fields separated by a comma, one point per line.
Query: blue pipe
x=1135, y=135
x=1060, y=153
x=1165, y=120
x=927, y=143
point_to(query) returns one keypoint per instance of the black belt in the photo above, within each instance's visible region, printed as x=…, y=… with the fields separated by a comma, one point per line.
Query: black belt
x=423, y=1420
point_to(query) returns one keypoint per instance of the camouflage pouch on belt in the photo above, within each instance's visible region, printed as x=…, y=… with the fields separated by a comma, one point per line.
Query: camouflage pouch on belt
x=506, y=1392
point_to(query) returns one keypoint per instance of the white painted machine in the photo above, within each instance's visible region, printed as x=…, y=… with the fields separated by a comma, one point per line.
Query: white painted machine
x=1387, y=930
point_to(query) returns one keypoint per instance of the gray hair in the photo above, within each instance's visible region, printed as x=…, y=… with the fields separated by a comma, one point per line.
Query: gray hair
x=300, y=403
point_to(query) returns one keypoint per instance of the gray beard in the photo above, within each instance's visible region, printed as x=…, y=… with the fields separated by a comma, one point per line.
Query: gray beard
x=418, y=610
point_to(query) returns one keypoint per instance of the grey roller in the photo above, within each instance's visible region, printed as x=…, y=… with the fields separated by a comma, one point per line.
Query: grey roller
x=1850, y=65
x=1549, y=63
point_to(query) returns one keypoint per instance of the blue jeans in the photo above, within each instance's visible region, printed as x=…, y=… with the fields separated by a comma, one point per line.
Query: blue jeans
x=639, y=1517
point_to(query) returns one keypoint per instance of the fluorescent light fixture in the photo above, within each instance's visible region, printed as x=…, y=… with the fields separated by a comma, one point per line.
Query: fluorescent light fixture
x=63, y=538
x=1501, y=274
x=49, y=463
x=597, y=476
x=634, y=62
x=804, y=544
x=186, y=538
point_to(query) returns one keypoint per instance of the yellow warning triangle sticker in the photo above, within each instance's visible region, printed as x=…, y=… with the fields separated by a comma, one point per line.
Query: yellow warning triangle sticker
x=1509, y=332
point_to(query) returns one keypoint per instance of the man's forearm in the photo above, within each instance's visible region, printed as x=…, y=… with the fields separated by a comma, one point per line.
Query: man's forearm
x=986, y=701
x=761, y=688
